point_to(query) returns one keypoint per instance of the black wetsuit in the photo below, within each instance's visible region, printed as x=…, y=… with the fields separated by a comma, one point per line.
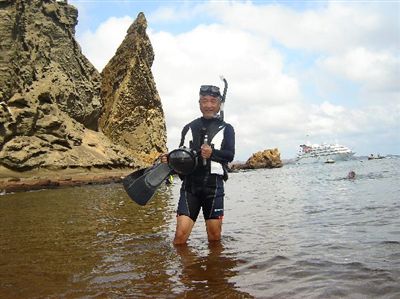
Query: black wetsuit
x=204, y=188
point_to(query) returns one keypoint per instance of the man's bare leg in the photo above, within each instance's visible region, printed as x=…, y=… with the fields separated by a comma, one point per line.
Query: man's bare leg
x=184, y=225
x=214, y=228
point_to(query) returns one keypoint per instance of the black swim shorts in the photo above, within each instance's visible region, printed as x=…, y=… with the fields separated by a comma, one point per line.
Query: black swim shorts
x=208, y=196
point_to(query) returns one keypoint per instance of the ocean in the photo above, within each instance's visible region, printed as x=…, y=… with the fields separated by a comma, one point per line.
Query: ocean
x=300, y=231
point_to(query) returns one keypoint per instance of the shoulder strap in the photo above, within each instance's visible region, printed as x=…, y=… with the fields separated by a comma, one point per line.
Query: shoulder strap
x=215, y=127
x=184, y=132
x=194, y=125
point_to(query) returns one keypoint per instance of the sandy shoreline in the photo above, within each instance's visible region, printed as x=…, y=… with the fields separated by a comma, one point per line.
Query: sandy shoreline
x=13, y=181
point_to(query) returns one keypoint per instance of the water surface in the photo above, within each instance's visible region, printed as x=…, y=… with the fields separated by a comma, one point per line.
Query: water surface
x=301, y=231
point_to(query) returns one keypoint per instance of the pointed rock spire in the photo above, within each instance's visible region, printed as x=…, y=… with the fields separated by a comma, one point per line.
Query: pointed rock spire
x=132, y=111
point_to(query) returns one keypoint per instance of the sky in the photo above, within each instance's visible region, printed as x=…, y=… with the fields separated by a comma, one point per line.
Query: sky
x=298, y=71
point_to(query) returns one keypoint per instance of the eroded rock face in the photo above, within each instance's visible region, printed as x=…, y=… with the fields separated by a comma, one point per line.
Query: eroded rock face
x=133, y=115
x=40, y=55
x=42, y=135
x=50, y=93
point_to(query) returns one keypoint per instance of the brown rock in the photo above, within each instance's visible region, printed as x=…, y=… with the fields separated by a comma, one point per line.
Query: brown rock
x=50, y=95
x=270, y=158
x=42, y=62
x=133, y=115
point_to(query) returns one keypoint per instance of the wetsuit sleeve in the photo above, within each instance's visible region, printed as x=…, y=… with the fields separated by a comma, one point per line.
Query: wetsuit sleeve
x=227, y=151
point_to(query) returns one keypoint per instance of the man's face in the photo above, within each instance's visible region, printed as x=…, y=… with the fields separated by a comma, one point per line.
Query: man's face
x=209, y=106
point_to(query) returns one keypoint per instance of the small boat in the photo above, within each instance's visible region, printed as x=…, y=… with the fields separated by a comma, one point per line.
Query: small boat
x=329, y=161
x=373, y=157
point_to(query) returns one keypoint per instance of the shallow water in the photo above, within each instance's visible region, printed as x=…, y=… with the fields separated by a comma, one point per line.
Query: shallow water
x=301, y=231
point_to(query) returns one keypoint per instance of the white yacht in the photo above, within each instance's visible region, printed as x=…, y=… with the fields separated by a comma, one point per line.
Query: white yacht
x=326, y=153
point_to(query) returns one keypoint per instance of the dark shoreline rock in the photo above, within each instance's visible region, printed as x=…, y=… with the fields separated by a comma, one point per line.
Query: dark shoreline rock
x=45, y=179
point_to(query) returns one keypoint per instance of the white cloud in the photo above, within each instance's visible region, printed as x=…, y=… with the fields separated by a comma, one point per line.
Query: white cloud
x=184, y=12
x=377, y=71
x=351, y=53
x=358, y=41
x=258, y=93
x=101, y=45
x=330, y=27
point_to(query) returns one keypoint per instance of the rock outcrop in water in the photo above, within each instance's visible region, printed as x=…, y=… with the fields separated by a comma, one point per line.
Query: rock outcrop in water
x=50, y=94
x=130, y=98
x=269, y=158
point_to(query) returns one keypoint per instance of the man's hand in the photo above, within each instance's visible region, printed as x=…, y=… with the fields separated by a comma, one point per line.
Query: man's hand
x=206, y=151
x=164, y=158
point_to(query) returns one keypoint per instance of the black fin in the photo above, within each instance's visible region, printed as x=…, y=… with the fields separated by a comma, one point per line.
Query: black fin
x=142, y=184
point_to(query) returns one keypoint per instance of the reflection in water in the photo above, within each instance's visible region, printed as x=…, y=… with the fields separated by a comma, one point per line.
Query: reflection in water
x=83, y=242
x=208, y=276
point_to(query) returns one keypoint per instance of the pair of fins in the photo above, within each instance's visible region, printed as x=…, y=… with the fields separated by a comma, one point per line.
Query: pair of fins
x=142, y=184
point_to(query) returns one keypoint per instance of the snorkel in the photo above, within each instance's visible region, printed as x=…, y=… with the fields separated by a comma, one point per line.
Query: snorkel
x=221, y=110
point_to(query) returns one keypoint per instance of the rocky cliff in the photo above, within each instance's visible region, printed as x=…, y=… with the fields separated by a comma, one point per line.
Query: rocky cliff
x=50, y=94
x=129, y=96
x=40, y=55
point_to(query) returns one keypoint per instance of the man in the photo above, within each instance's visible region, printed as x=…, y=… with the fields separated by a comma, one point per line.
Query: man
x=351, y=175
x=214, y=141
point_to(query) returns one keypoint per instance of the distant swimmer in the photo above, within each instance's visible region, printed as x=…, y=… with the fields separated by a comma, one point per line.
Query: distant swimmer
x=351, y=175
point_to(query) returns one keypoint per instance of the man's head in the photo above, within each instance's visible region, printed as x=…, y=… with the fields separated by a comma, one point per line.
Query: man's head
x=210, y=100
